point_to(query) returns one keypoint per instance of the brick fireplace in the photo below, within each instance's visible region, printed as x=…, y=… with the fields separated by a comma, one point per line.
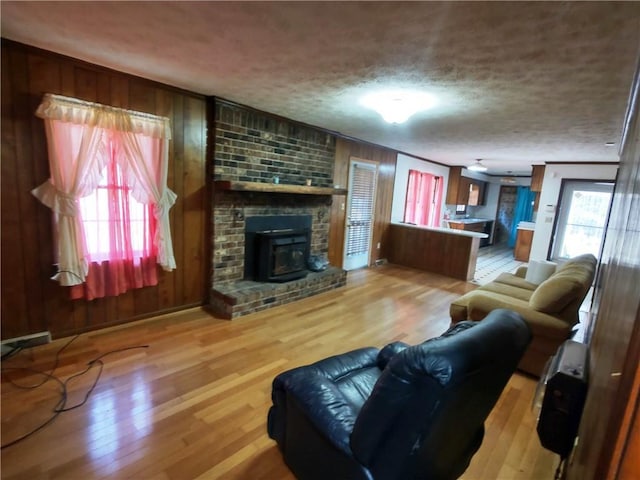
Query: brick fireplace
x=254, y=147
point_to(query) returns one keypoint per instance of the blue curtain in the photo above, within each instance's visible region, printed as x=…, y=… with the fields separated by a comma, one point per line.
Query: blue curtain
x=522, y=213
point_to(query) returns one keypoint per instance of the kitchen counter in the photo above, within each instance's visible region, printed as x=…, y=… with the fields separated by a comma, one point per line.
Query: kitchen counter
x=469, y=220
x=451, y=231
x=526, y=226
x=479, y=225
x=445, y=251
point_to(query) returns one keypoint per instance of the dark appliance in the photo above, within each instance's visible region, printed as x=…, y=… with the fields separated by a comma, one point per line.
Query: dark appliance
x=488, y=227
x=561, y=394
x=282, y=255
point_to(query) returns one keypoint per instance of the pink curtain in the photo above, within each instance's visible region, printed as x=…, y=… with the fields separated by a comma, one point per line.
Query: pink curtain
x=412, y=194
x=114, y=277
x=424, y=199
x=100, y=159
x=122, y=252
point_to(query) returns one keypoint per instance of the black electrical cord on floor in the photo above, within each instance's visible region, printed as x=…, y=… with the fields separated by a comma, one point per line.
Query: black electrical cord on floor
x=61, y=402
x=90, y=365
x=60, y=406
x=48, y=376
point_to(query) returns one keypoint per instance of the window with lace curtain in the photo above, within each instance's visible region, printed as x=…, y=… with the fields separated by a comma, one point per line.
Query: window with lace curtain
x=108, y=194
x=112, y=217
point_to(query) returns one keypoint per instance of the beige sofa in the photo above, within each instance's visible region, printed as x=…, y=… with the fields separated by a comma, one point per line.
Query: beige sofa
x=550, y=309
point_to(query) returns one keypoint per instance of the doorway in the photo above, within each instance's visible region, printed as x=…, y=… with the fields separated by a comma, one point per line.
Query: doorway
x=363, y=176
x=505, y=215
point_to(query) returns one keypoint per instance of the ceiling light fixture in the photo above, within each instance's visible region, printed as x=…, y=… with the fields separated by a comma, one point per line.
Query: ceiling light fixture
x=477, y=167
x=396, y=106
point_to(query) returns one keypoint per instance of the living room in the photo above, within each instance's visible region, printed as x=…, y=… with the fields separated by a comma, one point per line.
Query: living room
x=239, y=351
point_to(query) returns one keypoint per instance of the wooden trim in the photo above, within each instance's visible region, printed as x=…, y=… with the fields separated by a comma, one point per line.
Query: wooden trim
x=227, y=185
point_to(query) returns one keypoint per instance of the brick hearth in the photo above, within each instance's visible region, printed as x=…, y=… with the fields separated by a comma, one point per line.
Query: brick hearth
x=235, y=299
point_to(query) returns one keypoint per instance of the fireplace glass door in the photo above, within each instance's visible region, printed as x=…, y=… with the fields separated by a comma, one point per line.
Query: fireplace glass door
x=282, y=255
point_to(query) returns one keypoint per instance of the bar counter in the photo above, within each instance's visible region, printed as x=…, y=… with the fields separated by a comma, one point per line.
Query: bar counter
x=438, y=250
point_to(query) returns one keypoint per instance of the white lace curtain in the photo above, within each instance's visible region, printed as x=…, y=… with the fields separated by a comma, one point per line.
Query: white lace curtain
x=77, y=132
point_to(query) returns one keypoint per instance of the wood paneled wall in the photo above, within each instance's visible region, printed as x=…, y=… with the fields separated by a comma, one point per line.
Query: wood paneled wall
x=612, y=408
x=31, y=302
x=386, y=160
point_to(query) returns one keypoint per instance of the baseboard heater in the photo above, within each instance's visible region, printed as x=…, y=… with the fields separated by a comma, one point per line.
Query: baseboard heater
x=26, y=341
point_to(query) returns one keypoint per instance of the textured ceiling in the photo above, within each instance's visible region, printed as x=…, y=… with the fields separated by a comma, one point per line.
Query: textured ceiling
x=518, y=83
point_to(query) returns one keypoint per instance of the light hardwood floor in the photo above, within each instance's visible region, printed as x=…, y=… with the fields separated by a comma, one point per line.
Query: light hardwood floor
x=194, y=403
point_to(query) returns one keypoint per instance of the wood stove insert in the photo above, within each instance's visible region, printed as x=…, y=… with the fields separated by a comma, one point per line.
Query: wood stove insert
x=282, y=255
x=277, y=247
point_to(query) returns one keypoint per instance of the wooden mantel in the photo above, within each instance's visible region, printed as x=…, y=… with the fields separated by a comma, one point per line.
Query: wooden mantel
x=229, y=185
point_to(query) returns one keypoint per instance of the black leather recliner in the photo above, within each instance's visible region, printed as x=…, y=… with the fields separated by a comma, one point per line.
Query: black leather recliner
x=403, y=412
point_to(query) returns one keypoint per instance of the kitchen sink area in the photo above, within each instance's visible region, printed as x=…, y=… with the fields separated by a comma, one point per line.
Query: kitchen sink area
x=479, y=225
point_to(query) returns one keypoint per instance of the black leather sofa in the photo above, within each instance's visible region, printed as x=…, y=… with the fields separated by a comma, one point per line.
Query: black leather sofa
x=403, y=412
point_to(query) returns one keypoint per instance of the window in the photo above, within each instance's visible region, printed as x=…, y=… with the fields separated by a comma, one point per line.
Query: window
x=582, y=215
x=108, y=192
x=116, y=225
x=424, y=199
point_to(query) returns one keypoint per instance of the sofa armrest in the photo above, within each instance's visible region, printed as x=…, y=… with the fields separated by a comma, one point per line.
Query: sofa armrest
x=321, y=401
x=388, y=352
x=541, y=324
x=312, y=390
x=521, y=271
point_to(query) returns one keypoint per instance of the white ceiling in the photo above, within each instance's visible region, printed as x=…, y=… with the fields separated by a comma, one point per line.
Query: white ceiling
x=518, y=83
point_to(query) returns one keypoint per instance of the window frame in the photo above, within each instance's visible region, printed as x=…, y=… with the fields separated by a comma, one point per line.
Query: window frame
x=568, y=186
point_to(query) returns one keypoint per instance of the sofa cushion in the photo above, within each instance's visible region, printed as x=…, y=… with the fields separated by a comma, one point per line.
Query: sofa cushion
x=515, y=281
x=508, y=290
x=555, y=293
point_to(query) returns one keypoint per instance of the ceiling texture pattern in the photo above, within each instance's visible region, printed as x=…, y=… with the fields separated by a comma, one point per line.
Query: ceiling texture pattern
x=517, y=83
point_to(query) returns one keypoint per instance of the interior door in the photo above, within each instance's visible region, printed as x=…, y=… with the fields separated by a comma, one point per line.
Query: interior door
x=360, y=208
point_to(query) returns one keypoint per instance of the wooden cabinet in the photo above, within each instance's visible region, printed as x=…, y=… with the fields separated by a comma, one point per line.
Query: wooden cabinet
x=476, y=193
x=455, y=175
x=464, y=190
x=469, y=227
x=523, y=245
x=537, y=176
x=475, y=227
